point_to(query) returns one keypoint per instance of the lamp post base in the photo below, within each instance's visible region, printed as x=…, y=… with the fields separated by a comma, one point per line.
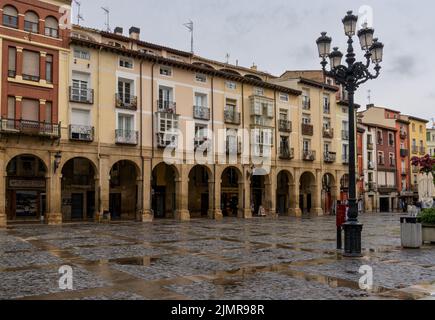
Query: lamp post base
x=352, y=240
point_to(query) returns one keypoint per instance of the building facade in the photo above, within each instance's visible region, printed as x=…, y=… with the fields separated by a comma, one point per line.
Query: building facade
x=430, y=140
x=418, y=146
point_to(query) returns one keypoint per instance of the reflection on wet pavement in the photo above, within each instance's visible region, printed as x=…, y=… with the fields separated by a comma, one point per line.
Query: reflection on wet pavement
x=284, y=258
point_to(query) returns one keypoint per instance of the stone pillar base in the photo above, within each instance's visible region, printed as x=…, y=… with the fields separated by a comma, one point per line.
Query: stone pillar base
x=145, y=216
x=182, y=215
x=215, y=214
x=3, y=221
x=245, y=214
x=54, y=219
x=297, y=212
x=317, y=212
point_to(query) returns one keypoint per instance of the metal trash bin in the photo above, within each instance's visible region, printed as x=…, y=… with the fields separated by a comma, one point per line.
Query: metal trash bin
x=411, y=233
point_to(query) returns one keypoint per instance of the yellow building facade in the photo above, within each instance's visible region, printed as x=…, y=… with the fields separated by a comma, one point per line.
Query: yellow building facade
x=417, y=143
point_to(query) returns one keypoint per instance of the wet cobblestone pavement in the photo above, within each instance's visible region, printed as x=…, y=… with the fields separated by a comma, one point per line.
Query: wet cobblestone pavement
x=262, y=258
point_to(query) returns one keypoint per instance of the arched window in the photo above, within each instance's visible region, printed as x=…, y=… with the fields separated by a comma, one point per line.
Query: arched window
x=51, y=27
x=31, y=22
x=10, y=17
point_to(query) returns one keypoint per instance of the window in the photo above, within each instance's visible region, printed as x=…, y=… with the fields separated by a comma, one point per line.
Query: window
x=10, y=17
x=283, y=115
x=200, y=100
x=326, y=123
x=306, y=119
x=380, y=137
x=51, y=27
x=413, y=127
x=80, y=90
x=306, y=99
x=345, y=151
x=125, y=90
x=421, y=129
x=126, y=63
x=31, y=22
x=391, y=139
x=326, y=147
x=82, y=54
x=166, y=71
x=12, y=62
x=231, y=85
x=49, y=68
x=30, y=65
x=30, y=110
x=369, y=139
x=48, y=112
x=414, y=143
x=80, y=117
x=306, y=145
x=201, y=77
x=232, y=138
x=392, y=161
x=326, y=104
x=165, y=94
x=381, y=158
x=370, y=177
x=125, y=122
x=284, y=97
x=200, y=131
x=258, y=91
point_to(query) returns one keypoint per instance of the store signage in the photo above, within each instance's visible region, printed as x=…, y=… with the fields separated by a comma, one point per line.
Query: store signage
x=14, y=183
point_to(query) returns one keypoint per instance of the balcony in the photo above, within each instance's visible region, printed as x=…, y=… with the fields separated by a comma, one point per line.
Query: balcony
x=30, y=128
x=81, y=133
x=285, y=126
x=370, y=146
x=329, y=157
x=371, y=165
x=165, y=140
x=345, y=134
x=386, y=189
x=307, y=129
x=166, y=106
x=306, y=104
x=414, y=149
x=126, y=101
x=286, y=153
x=371, y=187
x=328, y=133
x=422, y=151
x=201, y=113
x=345, y=159
x=403, y=153
x=403, y=135
x=309, y=155
x=81, y=95
x=231, y=117
x=127, y=137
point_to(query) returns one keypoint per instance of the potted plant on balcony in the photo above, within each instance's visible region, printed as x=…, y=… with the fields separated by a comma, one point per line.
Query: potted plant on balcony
x=426, y=187
x=427, y=219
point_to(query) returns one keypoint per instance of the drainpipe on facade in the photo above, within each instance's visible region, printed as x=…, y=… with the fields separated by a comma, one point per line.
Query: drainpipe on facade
x=213, y=145
x=152, y=133
x=141, y=142
x=100, y=203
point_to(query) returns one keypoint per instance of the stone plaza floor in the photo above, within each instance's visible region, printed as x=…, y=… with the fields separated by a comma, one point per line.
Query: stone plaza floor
x=259, y=259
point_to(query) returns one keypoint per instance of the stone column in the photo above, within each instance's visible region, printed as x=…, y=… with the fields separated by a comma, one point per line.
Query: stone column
x=270, y=188
x=214, y=191
x=147, y=213
x=294, y=196
x=3, y=218
x=316, y=191
x=245, y=194
x=54, y=193
x=182, y=195
x=104, y=186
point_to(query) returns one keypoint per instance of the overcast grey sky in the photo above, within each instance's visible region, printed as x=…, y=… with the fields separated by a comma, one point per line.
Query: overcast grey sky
x=278, y=35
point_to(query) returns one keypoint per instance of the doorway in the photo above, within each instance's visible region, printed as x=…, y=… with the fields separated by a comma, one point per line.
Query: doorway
x=384, y=204
x=76, y=206
x=115, y=206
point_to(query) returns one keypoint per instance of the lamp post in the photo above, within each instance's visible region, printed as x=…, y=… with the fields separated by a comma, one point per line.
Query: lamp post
x=351, y=76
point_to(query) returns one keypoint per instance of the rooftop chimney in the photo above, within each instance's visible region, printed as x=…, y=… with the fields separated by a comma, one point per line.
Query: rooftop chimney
x=371, y=105
x=254, y=67
x=118, y=31
x=134, y=33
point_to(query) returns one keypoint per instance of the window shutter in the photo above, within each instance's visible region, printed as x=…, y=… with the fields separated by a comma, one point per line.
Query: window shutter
x=30, y=110
x=31, y=63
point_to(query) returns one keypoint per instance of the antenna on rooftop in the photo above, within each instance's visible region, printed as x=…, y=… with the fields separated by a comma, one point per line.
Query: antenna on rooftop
x=189, y=26
x=79, y=15
x=369, y=96
x=107, y=13
x=227, y=58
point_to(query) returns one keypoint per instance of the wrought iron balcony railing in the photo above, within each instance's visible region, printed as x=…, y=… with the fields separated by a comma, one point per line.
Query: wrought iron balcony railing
x=201, y=113
x=307, y=129
x=329, y=157
x=306, y=104
x=286, y=153
x=30, y=77
x=29, y=127
x=285, y=126
x=128, y=137
x=81, y=95
x=166, y=140
x=166, y=106
x=81, y=133
x=414, y=149
x=422, y=151
x=308, y=155
x=328, y=133
x=126, y=101
x=231, y=117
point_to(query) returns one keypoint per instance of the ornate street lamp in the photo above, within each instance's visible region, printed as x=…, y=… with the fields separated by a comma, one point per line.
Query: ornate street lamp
x=351, y=76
